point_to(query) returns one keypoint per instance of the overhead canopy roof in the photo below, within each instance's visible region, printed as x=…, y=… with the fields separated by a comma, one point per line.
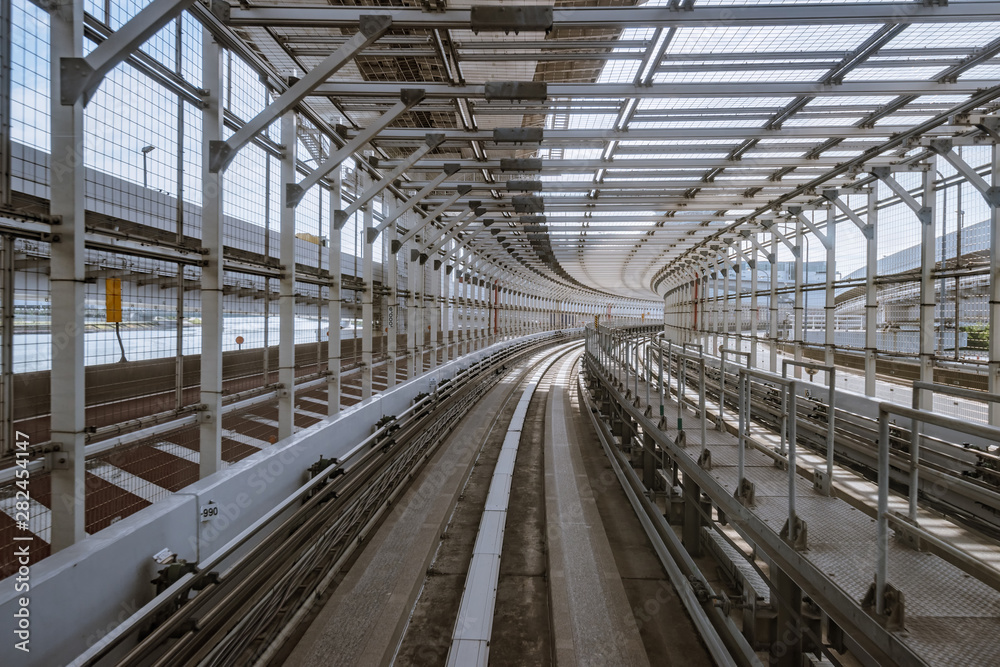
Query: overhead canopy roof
x=662, y=123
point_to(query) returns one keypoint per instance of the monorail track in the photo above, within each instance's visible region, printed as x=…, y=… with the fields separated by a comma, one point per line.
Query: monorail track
x=238, y=606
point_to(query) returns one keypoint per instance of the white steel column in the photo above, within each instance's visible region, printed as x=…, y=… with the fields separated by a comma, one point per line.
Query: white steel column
x=210, y=435
x=334, y=345
x=390, y=279
x=367, y=295
x=798, y=323
x=727, y=305
x=434, y=297
x=286, y=286
x=66, y=277
x=754, y=308
x=928, y=337
x=994, y=365
x=738, y=297
x=831, y=297
x=871, y=294
x=447, y=321
x=412, y=320
x=459, y=307
x=716, y=307
x=773, y=260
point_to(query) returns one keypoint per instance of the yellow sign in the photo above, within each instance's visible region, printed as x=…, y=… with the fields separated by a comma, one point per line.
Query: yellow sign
x=597, y=319
x=113, y=299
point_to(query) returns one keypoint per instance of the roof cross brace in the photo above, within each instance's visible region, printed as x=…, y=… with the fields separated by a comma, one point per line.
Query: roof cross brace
x=81, y=77
x=431, y=142
x=408, y=97
x=373, y=232
x=462, y=191
x=222, y=153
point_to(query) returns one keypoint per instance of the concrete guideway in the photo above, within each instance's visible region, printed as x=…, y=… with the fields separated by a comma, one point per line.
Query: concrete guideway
x=364, y=618
x=560, y=503
x=590, y=612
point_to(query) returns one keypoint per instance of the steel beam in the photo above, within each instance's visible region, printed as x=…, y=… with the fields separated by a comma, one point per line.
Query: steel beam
x=431, y=141
x=461, y=192
x=371, y=235
x=645, y=17
x=434, y=234
x=370, y=29
x=81, y=76
x=583, y=91
x=408, y=97
x=595, y=135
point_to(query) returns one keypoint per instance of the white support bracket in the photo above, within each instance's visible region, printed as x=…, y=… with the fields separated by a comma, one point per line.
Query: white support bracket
x=340, y=218
x=769, y=226
x=437, y=246
x=408, y=97
x=767, y=254
x=735, y=244
x=884, y=174
x=450, y=169
x=833, y=196
x=823, y=238
x=991, y=126
x=461, y=192
x=81, y=77
x=468, y=239
x=465, y=220
x=222, y=153
x=945, y=148
x=439, y=235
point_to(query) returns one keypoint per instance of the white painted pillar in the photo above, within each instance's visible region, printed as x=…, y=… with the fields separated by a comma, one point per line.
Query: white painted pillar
x=798, y=307
x=367, y=296
x=210, y=434
x=286, y=286
x=434, y=311
x=871, y=294
x=333, y=352
x=67, y=272
x=928, y=336
x=390, y=279
x=994, y=364
x=831, y=275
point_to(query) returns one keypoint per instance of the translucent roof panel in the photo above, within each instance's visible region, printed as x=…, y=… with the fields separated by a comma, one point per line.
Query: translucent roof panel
x=730, y=39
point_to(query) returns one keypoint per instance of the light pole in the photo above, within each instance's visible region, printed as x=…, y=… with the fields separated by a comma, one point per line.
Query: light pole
x=146, y=150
